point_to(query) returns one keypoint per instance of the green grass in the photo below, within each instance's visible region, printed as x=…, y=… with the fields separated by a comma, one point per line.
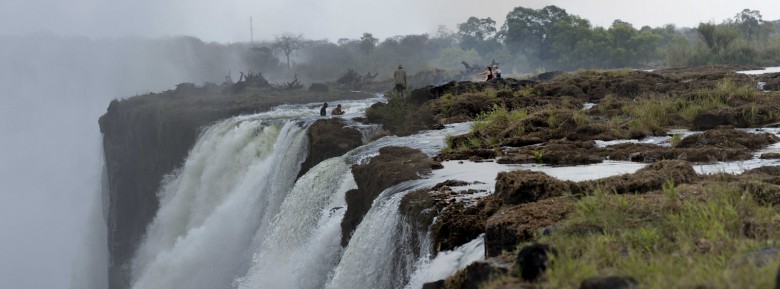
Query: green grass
x=666, y=240
x=492, y=122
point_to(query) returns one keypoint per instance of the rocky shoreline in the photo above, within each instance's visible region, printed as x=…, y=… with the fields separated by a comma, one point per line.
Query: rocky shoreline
x=557, y=119
x=545, y=122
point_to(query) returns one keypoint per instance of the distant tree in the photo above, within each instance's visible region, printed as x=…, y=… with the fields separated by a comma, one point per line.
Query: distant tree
x=478, y=34
x=707, y=34
x=288, y=43
x=749, y=23
x=530, y=31
x=368, y=43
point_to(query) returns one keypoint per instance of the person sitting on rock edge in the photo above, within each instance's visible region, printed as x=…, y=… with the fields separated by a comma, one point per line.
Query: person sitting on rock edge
x=496, y=71
x=323, y=109
x=489, y=73
x=337, y=110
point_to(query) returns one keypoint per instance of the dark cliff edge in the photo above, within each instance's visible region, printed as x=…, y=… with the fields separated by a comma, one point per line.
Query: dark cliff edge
x=392, y=166
x=329, y=138
x=146, y=137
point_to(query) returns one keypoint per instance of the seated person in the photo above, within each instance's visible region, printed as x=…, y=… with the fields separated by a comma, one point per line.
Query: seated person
x=322, y=110
x=337, y=110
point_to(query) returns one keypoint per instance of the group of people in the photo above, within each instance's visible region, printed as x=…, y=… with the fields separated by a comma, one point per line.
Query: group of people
x=336, y=110
x=400, y=85
x=492, y=72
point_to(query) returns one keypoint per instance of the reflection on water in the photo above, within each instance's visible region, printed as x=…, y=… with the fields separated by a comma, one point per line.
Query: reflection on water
x=774, y=69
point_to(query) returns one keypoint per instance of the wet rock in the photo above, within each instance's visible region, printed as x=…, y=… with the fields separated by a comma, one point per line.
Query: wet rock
x=521, y=141
x=768, y=174
x=568, y=153
x=728, y=138
x=637, y=152
x=434, y=285
x=521, y=186
x=420, y=208
x=392, y=166
x=476, y=154
x=475, y=274
x=611, y=282
x=712, y=154
x=329, y=138
x=450, y=183
x=647, y=179
x=770, y=156
x=714, y=118
x=513, y=225
x=534, y=260
x=458, y=224
x=518, y=157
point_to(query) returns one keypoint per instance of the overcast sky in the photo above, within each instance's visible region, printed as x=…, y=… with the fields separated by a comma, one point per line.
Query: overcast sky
x=228, y=20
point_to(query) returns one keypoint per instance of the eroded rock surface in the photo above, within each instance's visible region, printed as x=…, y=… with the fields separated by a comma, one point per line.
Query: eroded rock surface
x=392, y=166
x=329, y=138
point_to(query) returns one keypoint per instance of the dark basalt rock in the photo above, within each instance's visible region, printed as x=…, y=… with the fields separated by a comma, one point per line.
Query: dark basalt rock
x=770, y=156
x=434, y=285
x=521, y=186
x=646, y=179
x=329, y=138
x=517, y=224
x=533, y=261
x=392, y=166
x=475, y=274
x=728, y=138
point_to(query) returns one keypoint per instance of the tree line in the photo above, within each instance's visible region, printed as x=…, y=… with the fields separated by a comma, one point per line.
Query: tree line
x=530, y=40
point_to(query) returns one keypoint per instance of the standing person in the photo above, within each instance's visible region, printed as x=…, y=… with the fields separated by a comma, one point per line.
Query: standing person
x=400, y=80
x=488, y=73
x=496, y=71
x=323, y=109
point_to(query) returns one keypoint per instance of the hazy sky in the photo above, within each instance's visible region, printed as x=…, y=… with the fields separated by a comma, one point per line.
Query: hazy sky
x=228, y=21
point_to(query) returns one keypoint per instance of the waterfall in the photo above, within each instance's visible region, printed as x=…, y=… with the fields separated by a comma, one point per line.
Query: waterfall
x=384, y=248
x=303, y=243
x=234, y=216
x=224, y=196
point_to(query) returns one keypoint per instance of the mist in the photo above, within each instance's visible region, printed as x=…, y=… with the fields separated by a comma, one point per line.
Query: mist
x=52, y=91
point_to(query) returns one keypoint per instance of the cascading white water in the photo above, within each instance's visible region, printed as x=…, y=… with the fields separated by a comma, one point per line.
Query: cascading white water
x=212, y=209
x=302, y=244
x=381, y=252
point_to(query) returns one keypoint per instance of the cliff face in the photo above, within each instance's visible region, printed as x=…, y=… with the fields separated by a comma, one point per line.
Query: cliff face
x=142, y=142
x=147, y=137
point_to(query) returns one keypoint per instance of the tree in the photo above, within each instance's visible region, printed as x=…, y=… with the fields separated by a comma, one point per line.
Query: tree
x=749, y=23
x=478, y=34
x=531, y=31
x=368, y=43
x=288, y=43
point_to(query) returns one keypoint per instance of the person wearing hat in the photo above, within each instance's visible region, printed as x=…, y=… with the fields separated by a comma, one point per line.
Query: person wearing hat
x=400, y=80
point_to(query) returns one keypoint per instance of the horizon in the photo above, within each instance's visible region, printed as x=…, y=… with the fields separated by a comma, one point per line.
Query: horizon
x=229, y=22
